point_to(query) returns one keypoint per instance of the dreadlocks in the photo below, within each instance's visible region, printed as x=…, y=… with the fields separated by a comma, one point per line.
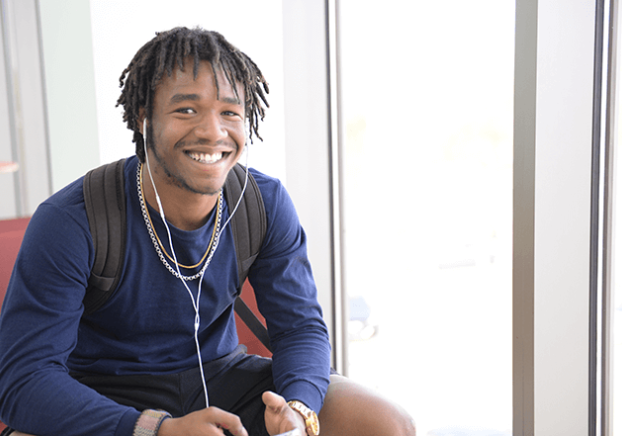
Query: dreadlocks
x=167, y=51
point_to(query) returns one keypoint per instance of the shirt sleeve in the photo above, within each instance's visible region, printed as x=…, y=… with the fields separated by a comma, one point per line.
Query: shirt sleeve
x=287, y=297
x=39, y=327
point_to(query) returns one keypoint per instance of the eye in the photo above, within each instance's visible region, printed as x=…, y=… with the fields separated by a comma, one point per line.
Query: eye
x=185, y=110
x=231, y=114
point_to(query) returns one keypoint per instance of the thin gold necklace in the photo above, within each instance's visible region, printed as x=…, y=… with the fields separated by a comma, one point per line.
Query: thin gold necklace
x=152, y=227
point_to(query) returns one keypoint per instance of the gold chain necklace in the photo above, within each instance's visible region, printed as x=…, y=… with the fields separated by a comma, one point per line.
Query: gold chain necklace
x=211, y=242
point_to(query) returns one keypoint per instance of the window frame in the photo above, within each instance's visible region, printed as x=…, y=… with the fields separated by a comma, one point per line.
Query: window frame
x=561, y=274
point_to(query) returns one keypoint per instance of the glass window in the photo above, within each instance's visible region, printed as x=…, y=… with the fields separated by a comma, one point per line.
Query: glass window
x=427, y=107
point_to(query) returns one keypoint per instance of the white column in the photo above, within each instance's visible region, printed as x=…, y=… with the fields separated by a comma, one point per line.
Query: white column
x=552, y=182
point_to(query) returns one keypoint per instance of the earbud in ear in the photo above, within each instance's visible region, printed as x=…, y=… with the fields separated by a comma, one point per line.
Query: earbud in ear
x=145, y=134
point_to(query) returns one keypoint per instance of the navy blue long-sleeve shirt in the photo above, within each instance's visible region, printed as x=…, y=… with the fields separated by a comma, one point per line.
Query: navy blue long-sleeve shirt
x=147, y=326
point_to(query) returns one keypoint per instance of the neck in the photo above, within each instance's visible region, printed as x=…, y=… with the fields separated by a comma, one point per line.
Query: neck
x=184, y=209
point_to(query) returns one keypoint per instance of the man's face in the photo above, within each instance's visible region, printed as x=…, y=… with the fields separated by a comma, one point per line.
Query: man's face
x=195, y=137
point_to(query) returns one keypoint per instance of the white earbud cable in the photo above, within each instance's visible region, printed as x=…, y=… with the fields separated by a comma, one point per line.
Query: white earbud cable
x=195, y=303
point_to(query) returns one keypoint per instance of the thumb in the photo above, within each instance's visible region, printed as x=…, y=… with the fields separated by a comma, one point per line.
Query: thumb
x=274, y=401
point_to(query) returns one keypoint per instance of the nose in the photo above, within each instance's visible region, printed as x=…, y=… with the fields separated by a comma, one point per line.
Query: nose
x=211, y=128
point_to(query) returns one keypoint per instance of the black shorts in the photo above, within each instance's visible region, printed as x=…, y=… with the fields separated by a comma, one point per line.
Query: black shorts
x=235, y=383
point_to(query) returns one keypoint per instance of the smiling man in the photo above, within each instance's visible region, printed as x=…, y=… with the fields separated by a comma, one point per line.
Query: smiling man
x=161, y=355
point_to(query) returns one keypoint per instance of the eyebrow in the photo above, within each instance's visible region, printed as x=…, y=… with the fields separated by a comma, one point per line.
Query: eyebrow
x=230, y=100
x=178, y=98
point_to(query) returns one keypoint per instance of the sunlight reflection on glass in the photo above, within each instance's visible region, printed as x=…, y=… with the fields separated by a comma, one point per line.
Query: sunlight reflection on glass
x=427, y=90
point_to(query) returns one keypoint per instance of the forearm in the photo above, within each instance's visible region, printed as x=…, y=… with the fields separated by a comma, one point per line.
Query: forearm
x=301, y=367
x=57, y=404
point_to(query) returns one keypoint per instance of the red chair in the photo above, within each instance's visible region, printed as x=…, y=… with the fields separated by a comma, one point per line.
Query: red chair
x=11, y=235
x=245, y=335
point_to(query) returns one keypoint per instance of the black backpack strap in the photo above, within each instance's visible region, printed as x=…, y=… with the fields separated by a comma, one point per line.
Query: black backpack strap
x=104, y=200
x=249, y=222
x=248, y=225
x=252, y=322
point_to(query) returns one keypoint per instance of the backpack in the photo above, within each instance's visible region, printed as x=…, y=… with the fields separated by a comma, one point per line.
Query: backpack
x=104, y=199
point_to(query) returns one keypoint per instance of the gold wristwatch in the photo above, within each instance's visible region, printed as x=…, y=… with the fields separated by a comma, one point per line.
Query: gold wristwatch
x=310, y=417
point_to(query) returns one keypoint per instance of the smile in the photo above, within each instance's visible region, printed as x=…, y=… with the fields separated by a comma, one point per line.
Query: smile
x=205, y=158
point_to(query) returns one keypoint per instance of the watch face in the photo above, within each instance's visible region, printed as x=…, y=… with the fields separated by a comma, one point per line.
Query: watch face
x=313, y=425
x=310, y=417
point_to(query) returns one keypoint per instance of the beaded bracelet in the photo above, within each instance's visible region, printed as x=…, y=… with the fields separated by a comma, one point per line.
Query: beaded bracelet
x=149, y=422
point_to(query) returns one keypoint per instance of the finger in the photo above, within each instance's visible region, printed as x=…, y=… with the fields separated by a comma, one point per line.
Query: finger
x=227, y=421
x=274, y=401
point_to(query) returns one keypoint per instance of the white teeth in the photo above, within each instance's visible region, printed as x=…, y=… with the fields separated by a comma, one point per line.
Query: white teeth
x=206, y=158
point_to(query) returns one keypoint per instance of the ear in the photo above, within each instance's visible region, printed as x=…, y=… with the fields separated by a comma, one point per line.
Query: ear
x=139, y=121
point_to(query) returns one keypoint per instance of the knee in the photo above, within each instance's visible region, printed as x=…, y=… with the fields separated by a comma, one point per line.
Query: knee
x=351, y=409
x=391, y=419
x=404, y=425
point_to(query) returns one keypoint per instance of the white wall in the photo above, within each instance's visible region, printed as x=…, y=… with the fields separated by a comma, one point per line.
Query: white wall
x=70, y=89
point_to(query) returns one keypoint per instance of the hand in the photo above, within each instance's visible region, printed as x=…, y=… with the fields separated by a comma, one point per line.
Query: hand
x=207, y=422
x=279, y=416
